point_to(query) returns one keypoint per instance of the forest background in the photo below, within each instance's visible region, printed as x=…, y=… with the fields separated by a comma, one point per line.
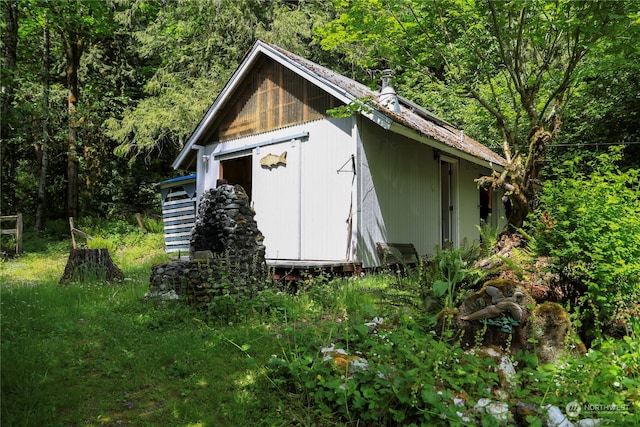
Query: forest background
x=99, y=96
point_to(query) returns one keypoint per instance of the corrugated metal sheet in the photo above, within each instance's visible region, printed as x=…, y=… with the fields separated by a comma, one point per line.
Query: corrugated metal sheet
x=178, y=212
x=327, y=182
x=398, y=193
x=302, y=208
x=276, y=200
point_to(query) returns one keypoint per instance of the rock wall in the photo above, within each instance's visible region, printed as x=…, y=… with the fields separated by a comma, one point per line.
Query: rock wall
x=225, y=225
x=226, y=251
x=197, y=282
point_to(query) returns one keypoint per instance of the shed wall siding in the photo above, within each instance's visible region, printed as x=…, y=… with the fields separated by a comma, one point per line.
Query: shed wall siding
x=301, y=208
x=276, y=200
x=326, y=193
x=469, y=203
x=398, y=193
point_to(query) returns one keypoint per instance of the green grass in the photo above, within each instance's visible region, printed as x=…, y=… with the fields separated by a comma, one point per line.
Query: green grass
x=95, y=355
x=98, y=354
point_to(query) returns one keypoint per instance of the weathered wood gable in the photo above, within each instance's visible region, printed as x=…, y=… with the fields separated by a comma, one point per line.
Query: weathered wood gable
x=271, y=97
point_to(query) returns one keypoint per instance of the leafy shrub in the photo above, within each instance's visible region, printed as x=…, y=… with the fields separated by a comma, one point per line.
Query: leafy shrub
x=590, y=227
x=437, y=283
x=8, y=243
x=386, y=373
x=607, y=377
x=154, y=225
x=392, y=370
x=106, y=227
x=452, y=272
x=57, y=229
x=488, y=236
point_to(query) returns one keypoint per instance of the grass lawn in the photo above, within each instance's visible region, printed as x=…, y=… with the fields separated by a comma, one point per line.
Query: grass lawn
x=93, y=354
x=99, y=354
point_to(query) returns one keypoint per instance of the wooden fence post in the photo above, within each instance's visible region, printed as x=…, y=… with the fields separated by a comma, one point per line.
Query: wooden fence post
x=73, y=236
x=17, y=230
x=75, y=231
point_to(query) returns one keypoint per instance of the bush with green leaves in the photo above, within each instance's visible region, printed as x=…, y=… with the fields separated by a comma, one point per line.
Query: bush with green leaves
x=438, y=283
x=389, y=373
x=394, y=370
x=589, y=226
x=604, y=382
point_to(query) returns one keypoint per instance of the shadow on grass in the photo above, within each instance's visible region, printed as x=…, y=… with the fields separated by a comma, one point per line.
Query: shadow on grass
x=90, y=354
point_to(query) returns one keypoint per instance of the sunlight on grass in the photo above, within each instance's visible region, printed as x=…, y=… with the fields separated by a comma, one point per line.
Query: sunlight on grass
x=30, y=269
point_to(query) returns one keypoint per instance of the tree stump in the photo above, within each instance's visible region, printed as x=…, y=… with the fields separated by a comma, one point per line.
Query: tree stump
x=87, y=264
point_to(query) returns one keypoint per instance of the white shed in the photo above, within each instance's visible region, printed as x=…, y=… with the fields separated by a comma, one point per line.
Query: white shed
x=327, y=190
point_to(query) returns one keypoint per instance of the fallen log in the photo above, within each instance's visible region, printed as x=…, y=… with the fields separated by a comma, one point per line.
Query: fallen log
x=86, y=264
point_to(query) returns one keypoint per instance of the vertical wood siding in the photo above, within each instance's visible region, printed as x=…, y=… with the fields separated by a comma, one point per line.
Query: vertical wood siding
x=272, y=97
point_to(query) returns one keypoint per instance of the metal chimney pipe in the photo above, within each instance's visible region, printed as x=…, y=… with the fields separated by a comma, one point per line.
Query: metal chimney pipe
x=388, y=96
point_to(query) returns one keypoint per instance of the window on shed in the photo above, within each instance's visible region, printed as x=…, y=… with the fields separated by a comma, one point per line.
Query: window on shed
x=486, y=202
x=273, y=97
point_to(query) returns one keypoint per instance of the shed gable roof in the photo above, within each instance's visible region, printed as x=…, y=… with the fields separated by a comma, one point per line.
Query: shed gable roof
x=411, y=117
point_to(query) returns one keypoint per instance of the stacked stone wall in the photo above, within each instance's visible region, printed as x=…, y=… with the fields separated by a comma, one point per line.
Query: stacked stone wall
x=226, y=252
x=225, y=225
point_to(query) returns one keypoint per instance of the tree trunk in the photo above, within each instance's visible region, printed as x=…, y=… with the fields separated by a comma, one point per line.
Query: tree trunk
x=7, y=157
x=44, y=163
x=73, y=51
x=90, y=264
x=519, y=181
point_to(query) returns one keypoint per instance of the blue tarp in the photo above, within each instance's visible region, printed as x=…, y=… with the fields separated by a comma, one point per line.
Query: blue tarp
x=180, y=178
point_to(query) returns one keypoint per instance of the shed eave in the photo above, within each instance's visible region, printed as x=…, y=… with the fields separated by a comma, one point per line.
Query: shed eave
x=444, y=147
